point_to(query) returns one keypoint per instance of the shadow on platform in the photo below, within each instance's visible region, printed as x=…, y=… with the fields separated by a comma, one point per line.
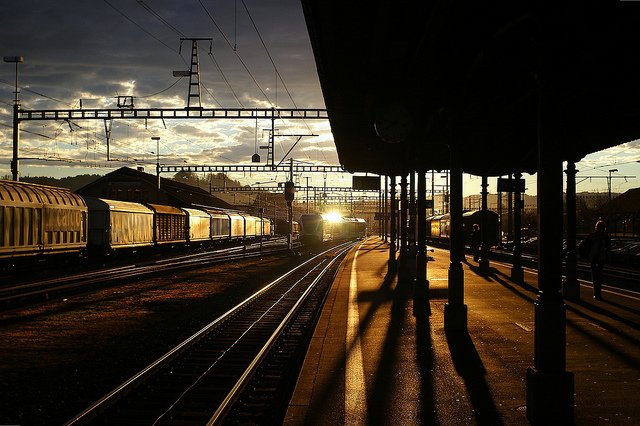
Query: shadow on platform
x=469, y=366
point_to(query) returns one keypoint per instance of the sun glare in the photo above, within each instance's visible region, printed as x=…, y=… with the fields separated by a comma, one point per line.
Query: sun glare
x=332, y=216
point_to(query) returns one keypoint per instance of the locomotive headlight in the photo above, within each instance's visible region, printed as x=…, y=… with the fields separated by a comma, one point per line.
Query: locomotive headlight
x=332, y=216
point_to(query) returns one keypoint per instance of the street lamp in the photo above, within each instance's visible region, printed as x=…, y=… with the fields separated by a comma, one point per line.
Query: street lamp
x=15, y=165
x=157, y=139
x=609, y=182
x=15, y=60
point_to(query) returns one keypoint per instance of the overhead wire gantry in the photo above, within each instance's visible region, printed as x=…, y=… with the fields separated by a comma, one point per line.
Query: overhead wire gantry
x=193, y=110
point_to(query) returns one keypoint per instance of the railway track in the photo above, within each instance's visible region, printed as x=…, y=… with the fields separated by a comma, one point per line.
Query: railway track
x=620, y=277
x=27, y=293
x=204, y=379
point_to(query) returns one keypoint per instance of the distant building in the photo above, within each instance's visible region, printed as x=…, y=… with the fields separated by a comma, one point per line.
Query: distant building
x=474, y=202
x=594, y=199
x=127, y=184
x=625, y=214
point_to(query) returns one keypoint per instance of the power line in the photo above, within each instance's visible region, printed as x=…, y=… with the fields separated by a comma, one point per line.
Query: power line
x=278, y=75
x=224, y=77
x=160, y=18
x=182, y=35
x=161, y=91
x=25, y=89
x=235, y=52
x=141, y=28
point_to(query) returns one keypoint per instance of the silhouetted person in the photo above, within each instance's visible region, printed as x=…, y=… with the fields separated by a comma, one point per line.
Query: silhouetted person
x=600, y=245
x=476, y=240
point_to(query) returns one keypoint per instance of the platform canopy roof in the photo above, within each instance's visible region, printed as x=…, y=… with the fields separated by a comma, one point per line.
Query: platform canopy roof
x=407, y=84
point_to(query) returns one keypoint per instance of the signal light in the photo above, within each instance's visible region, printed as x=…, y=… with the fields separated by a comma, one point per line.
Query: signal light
x=289, y=191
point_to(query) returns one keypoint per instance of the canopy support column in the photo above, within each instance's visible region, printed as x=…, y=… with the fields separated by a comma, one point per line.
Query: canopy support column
x=455, y=311
x=571, y=287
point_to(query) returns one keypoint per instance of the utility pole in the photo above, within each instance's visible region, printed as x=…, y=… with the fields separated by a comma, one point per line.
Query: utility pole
x=157, y=139
x=307, y=178
x=289, y=198
x=609, y=182
x=608, y=177
x=15, y=162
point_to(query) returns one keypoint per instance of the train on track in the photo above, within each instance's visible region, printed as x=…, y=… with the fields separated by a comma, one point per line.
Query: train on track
x=315, y=229
x=42, y=220
x=438, y=227
x=281, y=227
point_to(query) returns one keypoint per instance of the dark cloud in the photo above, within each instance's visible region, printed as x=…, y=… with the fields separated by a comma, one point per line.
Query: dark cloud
x=87, y=49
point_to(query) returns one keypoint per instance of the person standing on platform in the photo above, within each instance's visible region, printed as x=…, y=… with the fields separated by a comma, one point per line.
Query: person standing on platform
x=476, y=241
x=600, y=246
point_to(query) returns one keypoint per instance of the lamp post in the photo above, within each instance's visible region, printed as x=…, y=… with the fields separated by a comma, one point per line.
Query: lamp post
x=445, y=193
x=157, y=139
x=15, y=165
x=609, y=182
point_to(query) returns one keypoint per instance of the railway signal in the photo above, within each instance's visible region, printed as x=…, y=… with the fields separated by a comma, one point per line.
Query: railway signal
x=289, y=191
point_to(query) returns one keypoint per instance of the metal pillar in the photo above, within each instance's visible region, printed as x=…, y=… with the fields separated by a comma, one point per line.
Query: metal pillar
x=411, y=231
x=455, y=311
x=571, y=287
x=484, y=254
x=392, y=266
x=15, y=161
x=510, y=210
x=500, y=218
x=157, y=139
x=290, y=211
x=517, y=273
x=307, y=194
x=380, y=213
x=403, y=271
x=421, y=287
x=549, y=387
x=385, y=209
x=433, y=193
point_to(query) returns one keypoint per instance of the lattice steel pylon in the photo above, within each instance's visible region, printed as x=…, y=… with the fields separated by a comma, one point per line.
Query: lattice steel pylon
x=193, y=97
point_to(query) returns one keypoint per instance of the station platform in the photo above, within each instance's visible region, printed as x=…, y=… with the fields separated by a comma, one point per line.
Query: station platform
x=371, y=361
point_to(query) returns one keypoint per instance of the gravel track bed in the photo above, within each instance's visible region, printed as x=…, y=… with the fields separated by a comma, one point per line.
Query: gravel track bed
x=60, y=357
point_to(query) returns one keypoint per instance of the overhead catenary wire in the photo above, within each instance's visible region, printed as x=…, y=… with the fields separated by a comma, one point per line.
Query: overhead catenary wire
x=173, y=28
x=224, y=77
x=275, y=67
x=145, y=30
x=236, y=53
x=161, y=91
x=141, y=27
x=26, y=89
x=160, y=18
x=182, y=35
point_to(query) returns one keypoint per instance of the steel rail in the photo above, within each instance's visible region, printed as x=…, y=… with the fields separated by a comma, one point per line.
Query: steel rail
x=232, y=396
x=47, y=287
x=131, y=383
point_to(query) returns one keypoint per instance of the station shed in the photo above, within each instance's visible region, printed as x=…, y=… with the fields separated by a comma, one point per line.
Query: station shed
x=506, y=88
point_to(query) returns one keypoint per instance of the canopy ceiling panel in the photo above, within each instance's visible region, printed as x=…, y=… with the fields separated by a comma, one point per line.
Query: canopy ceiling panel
x=414, y=85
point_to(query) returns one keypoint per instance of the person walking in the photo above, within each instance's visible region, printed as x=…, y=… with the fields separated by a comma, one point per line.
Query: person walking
x=476, y=241
x=600, y=246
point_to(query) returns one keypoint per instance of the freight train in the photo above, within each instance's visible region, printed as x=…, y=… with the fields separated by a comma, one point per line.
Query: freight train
x=42, y=220
x=315, y=229
x=438, y=227
x=282, y=228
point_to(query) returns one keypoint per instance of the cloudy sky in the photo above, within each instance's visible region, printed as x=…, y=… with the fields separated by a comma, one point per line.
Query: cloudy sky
x=260, y=57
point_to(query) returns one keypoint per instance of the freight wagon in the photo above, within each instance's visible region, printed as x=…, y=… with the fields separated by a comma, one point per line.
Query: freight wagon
x=116, y=225
x=39, y=219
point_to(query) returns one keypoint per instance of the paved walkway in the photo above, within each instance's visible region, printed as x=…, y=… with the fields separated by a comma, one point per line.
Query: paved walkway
x=371, y=361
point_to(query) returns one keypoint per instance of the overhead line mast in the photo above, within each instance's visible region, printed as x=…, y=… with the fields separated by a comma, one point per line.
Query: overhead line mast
x=193, y=73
